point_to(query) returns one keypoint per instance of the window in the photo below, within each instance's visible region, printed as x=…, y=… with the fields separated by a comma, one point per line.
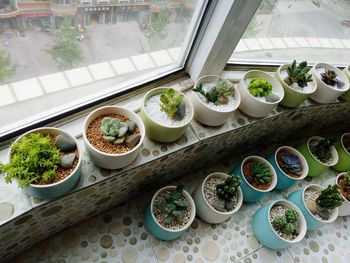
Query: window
x=283, y=30
x=58, y=60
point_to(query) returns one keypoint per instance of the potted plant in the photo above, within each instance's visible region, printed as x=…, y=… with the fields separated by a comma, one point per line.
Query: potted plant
x=319, y=205
x=346, y=95
x=343, y=149
x=166, y=114
x=297, y=82
x=170, y=212
x=258, y=177
x=331, y=83
x=214, y=100
x=343, y=181
x=113, y=136
x=260, y=93
x=320, y=154
x=218, y=197
x=279, y=225
x=290, y=166
x=45, y=162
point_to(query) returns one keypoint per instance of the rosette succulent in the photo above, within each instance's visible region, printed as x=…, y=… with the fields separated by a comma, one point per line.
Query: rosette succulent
x=260, y=172
x=114, y=130
x=298, y=74
x=290, y=162
x=330, y=78
x=219, y=93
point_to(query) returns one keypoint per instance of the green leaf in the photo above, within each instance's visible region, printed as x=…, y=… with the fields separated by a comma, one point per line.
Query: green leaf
x=181, y=204
x=168, y=219
x=179, y=215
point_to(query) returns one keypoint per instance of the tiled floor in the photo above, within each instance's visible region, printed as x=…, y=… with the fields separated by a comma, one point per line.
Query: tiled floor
x=119, y=235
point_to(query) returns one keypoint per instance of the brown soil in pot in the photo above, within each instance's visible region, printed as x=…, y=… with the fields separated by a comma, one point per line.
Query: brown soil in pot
x=248, y=176
x=61, y=173
x=279, y=161
x=344, y=192
x=94, y=136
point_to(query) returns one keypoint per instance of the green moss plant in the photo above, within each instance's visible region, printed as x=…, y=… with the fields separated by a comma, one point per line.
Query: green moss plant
x=260, y=87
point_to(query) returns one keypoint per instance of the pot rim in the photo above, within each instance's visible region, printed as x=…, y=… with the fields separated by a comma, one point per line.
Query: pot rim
x=59, y=131
x=305, y=169
x=338, y=72
x=261, y=159
x=334, y=212
x=270, y=79
x=159, y=90
x=336, y=181
x=314, y=84
x=236, y=95
x=189, y=199
x=335, y=156
x=116, y=108
x=303, y=225
x=342, y=142
x=240, y=197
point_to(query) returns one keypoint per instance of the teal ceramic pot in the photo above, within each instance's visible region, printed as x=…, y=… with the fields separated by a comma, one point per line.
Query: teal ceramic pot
x=52, y=191
x=159, y=231
x=292, y=97
x=251, y=194
x=343, y=164
x=285, y=181
x=160, y=132
x=265, y=233
x=316, y=167
x=313, y=222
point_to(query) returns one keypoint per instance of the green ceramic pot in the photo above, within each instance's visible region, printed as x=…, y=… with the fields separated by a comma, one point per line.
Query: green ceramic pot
x=160, y=132
x=316, y=167
x=292, y=97
x=346, y=95
x=343, y=164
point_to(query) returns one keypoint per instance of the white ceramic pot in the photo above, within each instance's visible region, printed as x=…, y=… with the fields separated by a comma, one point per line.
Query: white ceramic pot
x=205, y=211
x=207, y=115
x=54, y=190
x=325, y=93
x=107, y=160
x=346, y=95
x=344, y=209
x=251, y=105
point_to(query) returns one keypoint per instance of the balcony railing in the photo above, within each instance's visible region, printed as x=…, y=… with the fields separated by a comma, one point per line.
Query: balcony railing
x=63, y=10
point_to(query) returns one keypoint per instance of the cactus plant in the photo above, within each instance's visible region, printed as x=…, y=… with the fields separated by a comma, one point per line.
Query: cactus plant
x=217, y=94
x=173, y=104
x=229, y=188
x=330, y=78
x=113, y=130
x=174, y=207
x=298, y=74
x=330, y=198
x=260, y=87
x=286, y=223
x=260, y=173
x=290, y=163
x=322, y=149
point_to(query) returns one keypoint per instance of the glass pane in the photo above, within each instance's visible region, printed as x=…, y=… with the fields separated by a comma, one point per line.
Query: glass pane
x=58, y=54
x=283, y=30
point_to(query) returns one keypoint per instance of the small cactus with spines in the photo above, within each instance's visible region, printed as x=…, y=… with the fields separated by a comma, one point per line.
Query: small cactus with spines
x=174, y=207
x=286, y=222
x=330, y=198
x=229, y=188
x=260, y=172
x=113, y=130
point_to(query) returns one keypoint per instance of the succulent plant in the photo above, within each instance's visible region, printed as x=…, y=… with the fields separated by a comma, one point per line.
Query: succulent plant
x=330, y=78
x=229, y=188
x=174, y=208
x=298, y=74
x=260, y=172
x=260, y=87
x=290, y=163
x=330, y=198
x=173, y=104
x=347, y=182
x=322, y=149
x=113, y=130
x=287, y=222
x=219, y=93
